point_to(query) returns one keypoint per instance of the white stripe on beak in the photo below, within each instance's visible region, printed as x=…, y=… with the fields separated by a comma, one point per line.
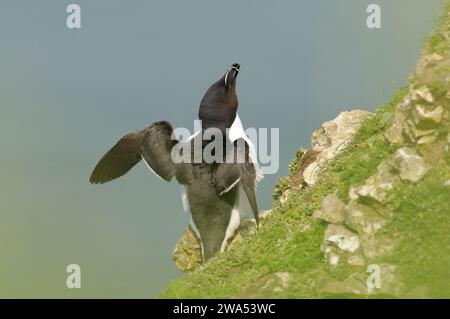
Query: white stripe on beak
x=226, y=74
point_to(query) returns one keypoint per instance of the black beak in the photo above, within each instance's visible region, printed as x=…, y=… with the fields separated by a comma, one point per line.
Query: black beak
x=231, y=74
x=235, y=67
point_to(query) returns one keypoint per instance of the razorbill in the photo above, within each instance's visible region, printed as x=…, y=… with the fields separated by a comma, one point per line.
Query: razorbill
x=217, y=193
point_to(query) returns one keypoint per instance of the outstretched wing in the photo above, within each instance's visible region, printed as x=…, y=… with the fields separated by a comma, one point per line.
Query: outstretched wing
x=238, y=169
x=153, y=143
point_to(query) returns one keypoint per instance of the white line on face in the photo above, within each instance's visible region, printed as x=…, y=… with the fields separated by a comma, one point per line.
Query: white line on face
x=229, y=69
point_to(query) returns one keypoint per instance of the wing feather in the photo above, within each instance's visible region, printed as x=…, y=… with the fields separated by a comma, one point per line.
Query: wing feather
x=153, y=143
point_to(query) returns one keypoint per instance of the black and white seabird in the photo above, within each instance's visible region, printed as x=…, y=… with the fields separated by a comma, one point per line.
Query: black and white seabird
x=217, y=193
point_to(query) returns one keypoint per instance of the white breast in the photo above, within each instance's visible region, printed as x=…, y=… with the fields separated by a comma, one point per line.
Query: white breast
x=237, y=131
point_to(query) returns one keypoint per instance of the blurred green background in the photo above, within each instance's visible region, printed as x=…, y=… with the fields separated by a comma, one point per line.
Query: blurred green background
x=67, y=95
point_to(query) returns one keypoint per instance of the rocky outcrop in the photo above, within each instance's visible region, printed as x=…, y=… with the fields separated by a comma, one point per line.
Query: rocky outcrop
x=418, y=133
x=187, y=251
x=331, y=138
x=326, y=143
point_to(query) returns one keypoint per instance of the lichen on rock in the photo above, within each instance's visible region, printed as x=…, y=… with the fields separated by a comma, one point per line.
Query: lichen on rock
x=187, y=251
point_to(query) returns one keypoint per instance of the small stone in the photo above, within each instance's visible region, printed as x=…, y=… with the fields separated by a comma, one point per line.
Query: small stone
x=377, y=186
x=364, y=219
x=333, y=210
x=333, y=259
x=405, y=104
x=422, y=93
x=428, y=139
x=353, y=193
x=411, y=165
x=342, y=237
x=395, y=133
x=432, y=58
x=435, y=57
x=424, y=115
x=332, y=254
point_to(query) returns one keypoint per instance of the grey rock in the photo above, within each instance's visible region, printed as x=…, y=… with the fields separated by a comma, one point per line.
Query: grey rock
x=410, y=164
x=331, y=138
x=342, y=237
x=395, y=133
x=377, y=186
x=187, y=252
x=427, y=116
x=422, y=94
x=333, y=210
x=332, y=254
x=364, y=219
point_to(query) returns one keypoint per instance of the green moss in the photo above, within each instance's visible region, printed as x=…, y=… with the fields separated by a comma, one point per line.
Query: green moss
x=421, y=225
x=280, y=187
x=296, y=161
x=436, y=42
x=438, y=89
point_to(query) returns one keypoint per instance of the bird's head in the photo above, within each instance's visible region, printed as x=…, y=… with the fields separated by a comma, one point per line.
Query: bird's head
x=219, y=104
